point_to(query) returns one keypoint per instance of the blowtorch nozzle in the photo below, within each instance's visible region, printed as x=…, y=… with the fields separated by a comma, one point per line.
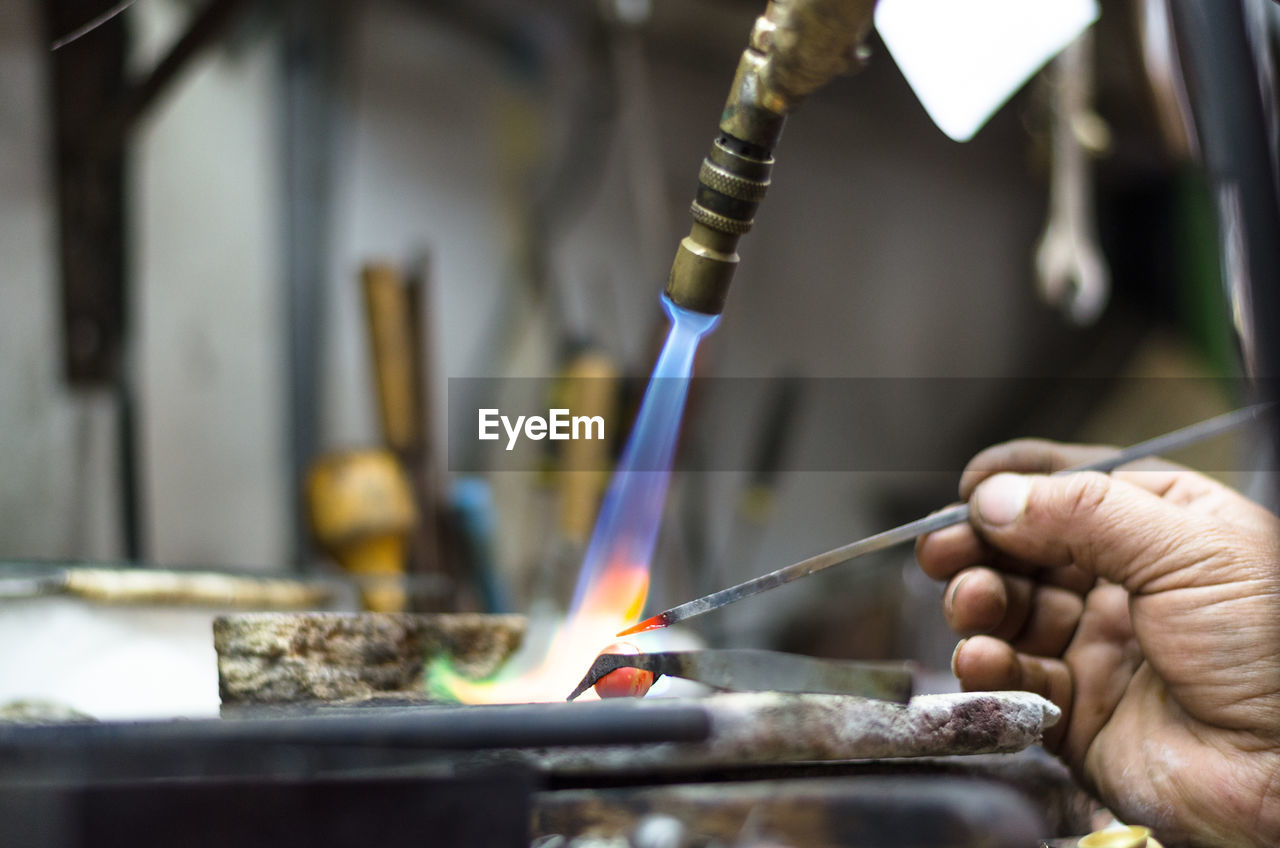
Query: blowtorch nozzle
x=796, y=46
x=731, y=183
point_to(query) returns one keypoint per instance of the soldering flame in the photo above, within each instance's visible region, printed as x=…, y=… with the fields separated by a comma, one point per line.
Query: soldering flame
x=614, y=580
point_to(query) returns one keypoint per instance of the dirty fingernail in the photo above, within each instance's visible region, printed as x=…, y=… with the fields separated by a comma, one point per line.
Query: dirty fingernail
x=954, y=655
x=1002, y=499
x=949, y=602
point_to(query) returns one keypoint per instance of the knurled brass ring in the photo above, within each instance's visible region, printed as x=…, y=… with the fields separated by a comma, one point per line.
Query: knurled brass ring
x=715, y=177
x=732, y=226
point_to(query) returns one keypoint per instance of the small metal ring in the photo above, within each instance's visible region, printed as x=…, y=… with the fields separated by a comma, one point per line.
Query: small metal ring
x=721, y=223
x=717, y=178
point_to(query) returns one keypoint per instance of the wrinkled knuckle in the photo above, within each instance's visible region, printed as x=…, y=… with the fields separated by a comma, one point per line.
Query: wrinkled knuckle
x=1083, y=494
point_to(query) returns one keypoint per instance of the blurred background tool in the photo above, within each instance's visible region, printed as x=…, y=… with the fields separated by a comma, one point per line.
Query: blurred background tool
x=948, y=517
x=1071, y=270
x=470, y=530
x=362, y=514
x=393, y=348
x=396, y=319
x=427, y=553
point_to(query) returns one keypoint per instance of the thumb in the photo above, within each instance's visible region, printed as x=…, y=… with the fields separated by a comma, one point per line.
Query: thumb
x=1103, y=525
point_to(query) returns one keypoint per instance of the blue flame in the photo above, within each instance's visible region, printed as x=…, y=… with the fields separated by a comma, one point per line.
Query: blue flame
x=627, y=527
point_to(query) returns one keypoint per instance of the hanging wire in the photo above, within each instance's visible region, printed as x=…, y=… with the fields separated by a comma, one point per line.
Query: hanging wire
x=92, y=25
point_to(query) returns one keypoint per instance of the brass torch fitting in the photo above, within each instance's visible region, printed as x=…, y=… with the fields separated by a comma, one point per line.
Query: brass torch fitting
x=796, y=46
x=731, y=183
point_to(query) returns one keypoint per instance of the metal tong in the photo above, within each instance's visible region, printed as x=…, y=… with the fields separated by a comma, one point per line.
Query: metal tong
x=747, y=670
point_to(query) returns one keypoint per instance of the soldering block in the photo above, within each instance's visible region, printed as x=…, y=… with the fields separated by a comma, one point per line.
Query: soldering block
x=298, y=658
x=750, y=728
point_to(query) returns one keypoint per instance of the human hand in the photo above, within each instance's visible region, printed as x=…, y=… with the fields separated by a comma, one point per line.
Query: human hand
x=1146, y=605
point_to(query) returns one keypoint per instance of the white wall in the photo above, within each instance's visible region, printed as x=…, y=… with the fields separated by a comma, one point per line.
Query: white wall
x=205, y=309
x=57, y=495
x=207, y=299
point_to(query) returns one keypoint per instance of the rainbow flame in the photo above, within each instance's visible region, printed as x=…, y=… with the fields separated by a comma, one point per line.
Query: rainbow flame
x=614, y=580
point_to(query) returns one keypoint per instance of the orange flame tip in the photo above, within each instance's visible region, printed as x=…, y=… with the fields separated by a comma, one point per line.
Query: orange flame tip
x=657, y=622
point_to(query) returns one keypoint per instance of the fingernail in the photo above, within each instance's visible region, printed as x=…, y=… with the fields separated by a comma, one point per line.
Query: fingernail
x=1002, y=499
x=949, y=601
x=955, y=654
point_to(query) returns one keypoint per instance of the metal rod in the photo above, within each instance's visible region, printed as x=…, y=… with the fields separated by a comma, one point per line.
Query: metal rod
x=309, y=58
x=81, y=31
x=427, y=727
x=958, y=514
x=132, y=514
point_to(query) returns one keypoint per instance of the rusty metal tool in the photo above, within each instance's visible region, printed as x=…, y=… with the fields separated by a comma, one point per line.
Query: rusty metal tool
x=395, y=305
x=745, y=670
x=952, y=515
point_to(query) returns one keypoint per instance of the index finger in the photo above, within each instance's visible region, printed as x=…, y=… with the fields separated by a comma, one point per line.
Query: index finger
x=1042, y=456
